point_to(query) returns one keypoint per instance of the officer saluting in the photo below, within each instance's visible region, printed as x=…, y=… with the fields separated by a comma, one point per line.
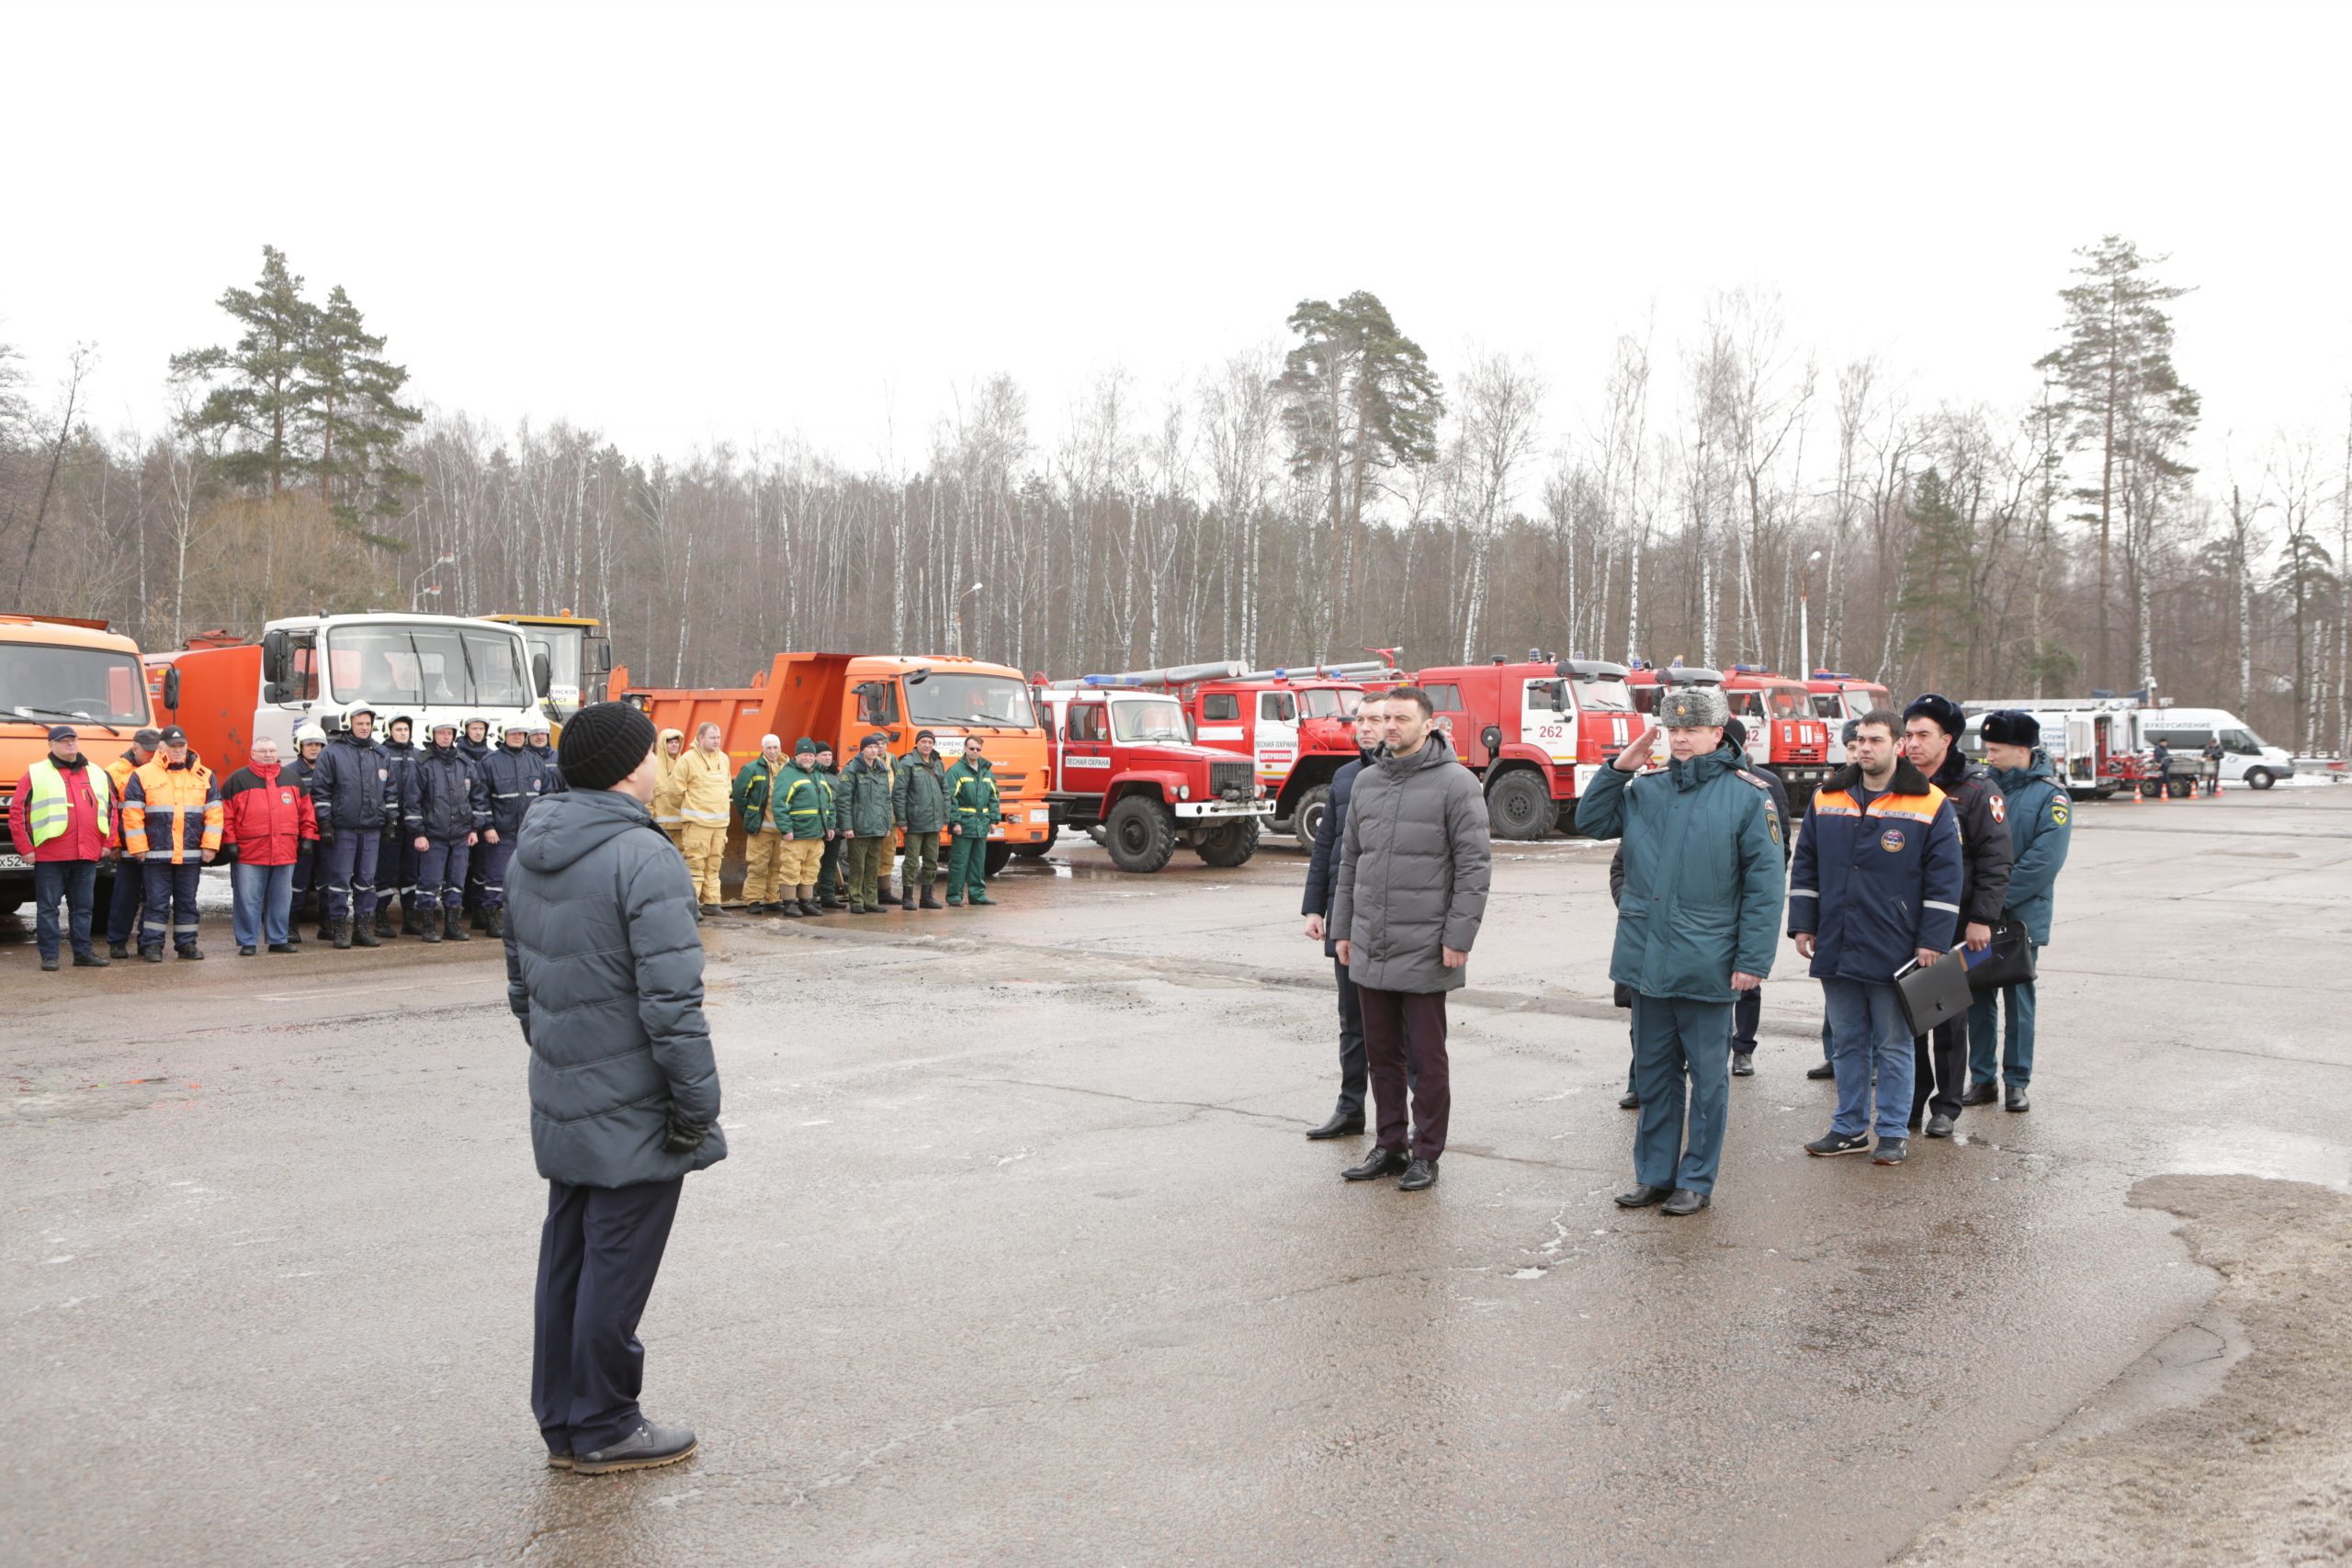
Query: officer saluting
x=1697, y=925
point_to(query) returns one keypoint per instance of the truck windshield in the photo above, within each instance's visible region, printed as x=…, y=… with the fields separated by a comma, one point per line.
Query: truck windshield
x=427, y=664
x=45, y=684
x=562, y=646
x=1137, y=720
x=1329, y=702
x=1604, y=696
x=993, y=701
x=2241, y=742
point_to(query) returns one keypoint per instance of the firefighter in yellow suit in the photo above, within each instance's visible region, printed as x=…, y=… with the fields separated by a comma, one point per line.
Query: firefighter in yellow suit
x=665, y=787
x=705, y=781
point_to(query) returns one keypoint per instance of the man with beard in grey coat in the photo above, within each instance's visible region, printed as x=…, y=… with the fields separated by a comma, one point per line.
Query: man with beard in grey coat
x=603, y=968
x=1412, y=889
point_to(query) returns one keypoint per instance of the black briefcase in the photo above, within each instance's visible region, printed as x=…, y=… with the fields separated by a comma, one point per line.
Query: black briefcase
x=2008, y=961
x=1935, y=994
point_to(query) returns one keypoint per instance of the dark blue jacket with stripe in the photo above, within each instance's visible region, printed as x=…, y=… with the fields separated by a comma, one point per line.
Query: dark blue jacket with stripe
x=1874, y=885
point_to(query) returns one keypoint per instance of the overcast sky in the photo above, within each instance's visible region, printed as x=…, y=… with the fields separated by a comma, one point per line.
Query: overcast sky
x=685, y=224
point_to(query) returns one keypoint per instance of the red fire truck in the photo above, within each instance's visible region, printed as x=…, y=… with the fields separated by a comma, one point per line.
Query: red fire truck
x=1836, y=697
x=1123, y=768
x=1533, y=733
x=1777, y=712
x=1295, y=723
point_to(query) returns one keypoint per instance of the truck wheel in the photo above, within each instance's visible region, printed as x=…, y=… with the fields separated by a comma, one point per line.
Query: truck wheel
x=1034, y=851
x=2260, y=778
x=1229, y=843
x=1519, y=807
x=1100, y=835
x=1308, y=820
x=1141, y=833
x=997, y=857
x=2151, y=788
x=2179, y=789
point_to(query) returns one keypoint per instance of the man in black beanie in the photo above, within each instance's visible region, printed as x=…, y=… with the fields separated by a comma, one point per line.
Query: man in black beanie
x=594, y=878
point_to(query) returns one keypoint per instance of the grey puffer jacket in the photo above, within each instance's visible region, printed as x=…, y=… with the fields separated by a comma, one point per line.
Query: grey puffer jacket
x=1413, y=870
x=604, y=966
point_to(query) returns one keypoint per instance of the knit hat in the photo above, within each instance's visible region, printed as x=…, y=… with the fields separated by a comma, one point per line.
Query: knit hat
x=1693, y=707
x=924, y=735
x=877, y=738
x=1734, y=733
x=1939, y=709
x=604, y=744
x=804, y=747
x=2011, y=727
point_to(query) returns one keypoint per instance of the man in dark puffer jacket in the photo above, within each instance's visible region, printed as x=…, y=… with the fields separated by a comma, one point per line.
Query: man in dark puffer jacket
x=604, y=967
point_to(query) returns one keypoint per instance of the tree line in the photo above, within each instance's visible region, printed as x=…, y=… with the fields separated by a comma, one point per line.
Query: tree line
x=1306, y=498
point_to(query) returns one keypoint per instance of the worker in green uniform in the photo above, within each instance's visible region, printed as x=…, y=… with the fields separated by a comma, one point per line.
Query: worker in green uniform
x=862, y=815
x=804, y=808
x=832, y=884
x=973, y=809
x=919, y=803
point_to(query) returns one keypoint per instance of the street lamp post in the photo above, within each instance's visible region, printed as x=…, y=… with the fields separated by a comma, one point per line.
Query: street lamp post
x=955, y=621
x=1805, y=627
x=418, y=592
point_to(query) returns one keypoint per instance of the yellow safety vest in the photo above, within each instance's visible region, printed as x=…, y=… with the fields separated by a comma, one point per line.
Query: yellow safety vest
x=51, y=808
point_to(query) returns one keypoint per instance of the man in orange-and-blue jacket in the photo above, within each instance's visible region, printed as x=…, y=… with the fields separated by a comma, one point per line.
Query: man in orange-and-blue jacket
x=1875, y=884
x=171, y=825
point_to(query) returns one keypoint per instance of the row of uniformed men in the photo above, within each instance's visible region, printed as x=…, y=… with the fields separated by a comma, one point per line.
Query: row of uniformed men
x=817, y=836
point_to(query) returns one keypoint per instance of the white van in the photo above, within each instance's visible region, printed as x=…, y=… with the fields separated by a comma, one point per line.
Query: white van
x=2247, y=758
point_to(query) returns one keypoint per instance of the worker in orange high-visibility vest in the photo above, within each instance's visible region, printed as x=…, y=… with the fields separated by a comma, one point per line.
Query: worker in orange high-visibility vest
x=171, y=825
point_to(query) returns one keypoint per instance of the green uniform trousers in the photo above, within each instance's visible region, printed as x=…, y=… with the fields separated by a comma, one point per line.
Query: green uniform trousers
x=968, y=865
x=865, y=857
x=920, y=867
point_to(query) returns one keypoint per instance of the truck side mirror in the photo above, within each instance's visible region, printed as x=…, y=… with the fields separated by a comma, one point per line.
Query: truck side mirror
x=172, y=688
x=1491, y=738
x=273, y=657
x=541, y=677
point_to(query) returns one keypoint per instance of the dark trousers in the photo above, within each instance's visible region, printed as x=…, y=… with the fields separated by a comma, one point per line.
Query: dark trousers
x=1747, y=1011
x=866, y=857
x=129, y=896
x=1681, y=1073
x=830, y=883
x=397, y=859
x=441, y=874
x=598, y=1253
x=73, y=883
x=1354, y=1075
x=1942, y=1054
x=493, y=859
x=306, y=869
x=918, y=867
x=1404, y=1032
x=350, y=869
x=171, y=902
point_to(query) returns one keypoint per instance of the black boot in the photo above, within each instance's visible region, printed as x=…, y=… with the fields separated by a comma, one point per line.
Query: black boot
x=453, y=926
x=429, y=929
x=383, y=927
x=494, y=924
x=363, y=934
x=118, y=950
x=338, y=932
x=412, y=921
x=810, y=907
x=930, y=898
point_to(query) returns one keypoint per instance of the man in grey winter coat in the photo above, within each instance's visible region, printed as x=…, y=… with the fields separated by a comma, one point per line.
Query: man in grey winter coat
x=1412, y=889
x=603, y=968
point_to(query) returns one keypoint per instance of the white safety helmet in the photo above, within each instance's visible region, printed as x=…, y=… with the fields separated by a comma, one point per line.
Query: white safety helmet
x=354, y=710
x=309, y=732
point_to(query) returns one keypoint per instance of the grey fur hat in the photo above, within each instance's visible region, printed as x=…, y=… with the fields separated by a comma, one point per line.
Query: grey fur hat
x=1693, y=707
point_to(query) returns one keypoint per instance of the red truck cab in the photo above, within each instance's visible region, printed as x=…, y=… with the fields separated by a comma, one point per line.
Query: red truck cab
x=1123, y=768
x=1296, y=726
x=1838, y=697
x=1782, y=726
x=1535, y=734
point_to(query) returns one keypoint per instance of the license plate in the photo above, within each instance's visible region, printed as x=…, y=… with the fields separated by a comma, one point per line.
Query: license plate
x=15, y=862
x=1041, y=815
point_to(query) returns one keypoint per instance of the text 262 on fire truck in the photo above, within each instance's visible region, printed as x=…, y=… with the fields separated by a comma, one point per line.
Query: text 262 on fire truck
x=1534, y=733
x=1125, y=769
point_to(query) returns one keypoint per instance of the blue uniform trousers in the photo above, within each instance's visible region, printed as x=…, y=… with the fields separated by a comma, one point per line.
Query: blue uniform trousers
x=493, y=859
x=1867, y=1032
x=2017, y=1048
x=1676, y=1040
x=599, y=1250
x=351, y=873
x=441, y=874
x=171, y=903
x=129, y=894
x=396, y=869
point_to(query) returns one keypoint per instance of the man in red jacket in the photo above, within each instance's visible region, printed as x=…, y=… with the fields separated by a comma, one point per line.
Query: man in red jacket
x=268, y=817
x=63, y=816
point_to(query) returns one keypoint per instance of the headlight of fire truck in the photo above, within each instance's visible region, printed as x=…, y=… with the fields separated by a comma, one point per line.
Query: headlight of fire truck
x=1184, y=791
x=1261, y=793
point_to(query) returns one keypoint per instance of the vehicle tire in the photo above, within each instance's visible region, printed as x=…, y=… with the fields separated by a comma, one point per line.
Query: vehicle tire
x=997, y=857
x=1308, y=820
x=1140, y=833
x=1100, y=835
x=2179, y=789
x=2151, y=788
x=1034, y=851
x=1519, y=807
x=2260, y=778
x=1227, y=844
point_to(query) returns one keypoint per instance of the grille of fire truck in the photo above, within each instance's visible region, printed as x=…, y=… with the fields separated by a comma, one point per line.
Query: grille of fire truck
x=1231, y=781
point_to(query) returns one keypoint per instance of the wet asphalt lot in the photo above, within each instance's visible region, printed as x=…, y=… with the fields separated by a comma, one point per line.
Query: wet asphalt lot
x=1020, y=1257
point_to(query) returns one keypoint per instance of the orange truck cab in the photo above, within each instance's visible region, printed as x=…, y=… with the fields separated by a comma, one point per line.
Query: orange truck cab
x=839, y=698
x=58, y=670
x=1297, y=725
x=1777, y=713
x=1534, y=733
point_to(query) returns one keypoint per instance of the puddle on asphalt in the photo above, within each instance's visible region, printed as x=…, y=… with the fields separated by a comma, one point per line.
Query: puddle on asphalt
x=2245, y=1150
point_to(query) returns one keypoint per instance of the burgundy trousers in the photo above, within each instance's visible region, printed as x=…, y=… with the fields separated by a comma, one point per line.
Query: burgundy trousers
x=1402, y=1028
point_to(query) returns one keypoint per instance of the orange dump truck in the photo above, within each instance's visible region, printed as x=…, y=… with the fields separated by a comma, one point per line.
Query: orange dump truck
x=58, y=670
x=839, y=698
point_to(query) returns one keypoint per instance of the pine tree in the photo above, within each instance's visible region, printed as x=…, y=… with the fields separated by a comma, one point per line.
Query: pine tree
x=2121, y=396
x=253, y=417
x=353, y=410
x=1933, y=608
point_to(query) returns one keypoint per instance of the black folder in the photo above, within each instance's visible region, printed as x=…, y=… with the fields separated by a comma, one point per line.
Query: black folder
x=1936, y=993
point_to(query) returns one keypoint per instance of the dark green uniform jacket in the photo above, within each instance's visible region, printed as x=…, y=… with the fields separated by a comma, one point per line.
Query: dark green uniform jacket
x=805, y=806
x=754, y=793
x=862, y=810
x=971, y=794
x=1703, y=878
x=918, y=793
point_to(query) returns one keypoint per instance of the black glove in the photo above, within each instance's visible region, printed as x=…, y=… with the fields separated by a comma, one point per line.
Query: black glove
x=682, y=1136
x=326, y=831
